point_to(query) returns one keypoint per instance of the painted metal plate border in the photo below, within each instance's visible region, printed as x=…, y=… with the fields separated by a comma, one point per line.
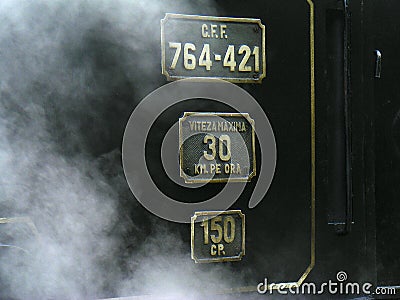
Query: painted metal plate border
x=214, y=214
x=219, y=180
x=217, y=19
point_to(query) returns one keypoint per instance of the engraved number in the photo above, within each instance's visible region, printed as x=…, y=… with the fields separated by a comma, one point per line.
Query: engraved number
x=226, y=230
x=189, y=60
x=189, y=57
x=216, y=227
x=223, y=140
x=229, y=238
x=204, y=59
x=204, y=224
x=178, y=47
x=247, y=53
x=229, y=59
x=211, y=146
x=256, y=53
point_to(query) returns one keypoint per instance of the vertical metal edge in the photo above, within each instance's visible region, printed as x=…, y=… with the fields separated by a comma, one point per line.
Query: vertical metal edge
x=192, y=220
x=348, y=122
x=312, y=87
x=163, y=67
x=243, y=233
x=264, y=52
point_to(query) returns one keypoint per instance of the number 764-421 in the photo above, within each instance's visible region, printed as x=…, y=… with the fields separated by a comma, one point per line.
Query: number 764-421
x=206, y=59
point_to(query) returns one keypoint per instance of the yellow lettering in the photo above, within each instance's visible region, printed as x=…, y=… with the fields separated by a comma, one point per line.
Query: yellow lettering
x=223, y=32
x=213, y=250
x=218, y=169
x=226, y=169
x=221, y=249
x=226, y=126
x=204, y=31
x=214, y=30
x=212, y=168
x=197, y=169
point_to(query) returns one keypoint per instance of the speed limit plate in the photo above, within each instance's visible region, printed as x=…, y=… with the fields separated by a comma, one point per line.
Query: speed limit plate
x=216, y=147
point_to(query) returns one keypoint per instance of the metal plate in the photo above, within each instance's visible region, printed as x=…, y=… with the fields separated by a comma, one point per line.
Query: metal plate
x=218, y=236
x=216, y=147
x=213, y=47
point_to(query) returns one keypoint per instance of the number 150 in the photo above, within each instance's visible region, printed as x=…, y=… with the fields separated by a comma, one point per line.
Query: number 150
x=222, y=230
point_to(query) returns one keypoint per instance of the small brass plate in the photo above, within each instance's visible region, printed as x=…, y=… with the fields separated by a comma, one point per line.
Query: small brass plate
x=216, y=147
x=194, y=46
x=218, y=236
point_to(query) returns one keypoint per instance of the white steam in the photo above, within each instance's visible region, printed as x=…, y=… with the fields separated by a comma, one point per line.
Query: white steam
x=68, y=69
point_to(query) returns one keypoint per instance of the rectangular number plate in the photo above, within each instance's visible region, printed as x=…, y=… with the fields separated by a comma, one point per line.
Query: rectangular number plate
x=218, y=236
x=213, y=47
x=216, y=147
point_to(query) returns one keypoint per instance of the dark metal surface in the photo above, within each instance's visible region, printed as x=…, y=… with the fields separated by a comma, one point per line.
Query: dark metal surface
x=279, y=236
x=386, y=37
x=356, y=170
x=338, y=29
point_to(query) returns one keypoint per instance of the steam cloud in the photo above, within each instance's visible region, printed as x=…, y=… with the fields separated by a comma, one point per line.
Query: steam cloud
x=70, y=74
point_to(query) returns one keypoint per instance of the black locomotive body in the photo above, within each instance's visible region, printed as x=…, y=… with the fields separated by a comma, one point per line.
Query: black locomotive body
x=330, y=94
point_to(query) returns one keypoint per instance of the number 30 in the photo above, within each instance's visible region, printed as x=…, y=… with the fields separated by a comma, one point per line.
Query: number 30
x=223, y=139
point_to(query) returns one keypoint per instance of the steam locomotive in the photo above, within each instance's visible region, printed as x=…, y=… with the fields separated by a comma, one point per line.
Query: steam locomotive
x=323, y=73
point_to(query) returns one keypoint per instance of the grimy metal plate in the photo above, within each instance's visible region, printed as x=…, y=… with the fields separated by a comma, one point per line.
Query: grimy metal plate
x=194, y=46
x=216, y=147
x=218, y=236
